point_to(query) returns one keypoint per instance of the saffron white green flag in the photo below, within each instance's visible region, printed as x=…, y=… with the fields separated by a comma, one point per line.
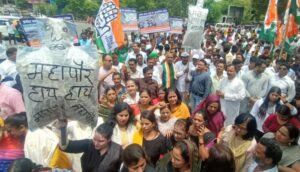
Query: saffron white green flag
x=268, y=32
x=108, y=26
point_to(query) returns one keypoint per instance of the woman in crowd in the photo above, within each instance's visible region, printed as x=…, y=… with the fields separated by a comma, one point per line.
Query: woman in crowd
x=107, y=102
x=161, y=96
x=145, y=101
x=287, y=137
x=178, y=108
x=150, y=138
x=184, y=157
x=240, y=139
x=123, y=122
x=132, y=96
x=279, y=118
x=165, y=121
x=220, y=159
x=11, y=139
x=215, y=117
x=135, y=159
x=201, y=135
x=100, y=153
x=266, y=106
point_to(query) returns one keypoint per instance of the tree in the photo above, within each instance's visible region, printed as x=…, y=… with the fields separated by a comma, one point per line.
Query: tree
x=22, y=4
x=47, y=9
x=75, y=7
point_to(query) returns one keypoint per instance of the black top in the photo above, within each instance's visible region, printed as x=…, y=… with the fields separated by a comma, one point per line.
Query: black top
x=92, y=160
x=148, y=168
x=154, y=148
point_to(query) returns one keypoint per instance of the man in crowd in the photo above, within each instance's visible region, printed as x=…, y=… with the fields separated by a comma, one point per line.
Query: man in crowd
x=200, y=84
x=256, y=83
x=182, y=69
x=232, y=92
x=266, y=156
x=105, y=74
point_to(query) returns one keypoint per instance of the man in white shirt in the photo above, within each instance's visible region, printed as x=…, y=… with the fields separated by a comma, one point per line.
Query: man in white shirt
x=284, y=82
x=9, y=66
x=218, y=76
x=135, y=52
x=140, y=63
x=133, y=72
x=232, y=92
x=182, y=69
x=256, y=83
x=105, y=74
x=157, y=71
x=266, y=156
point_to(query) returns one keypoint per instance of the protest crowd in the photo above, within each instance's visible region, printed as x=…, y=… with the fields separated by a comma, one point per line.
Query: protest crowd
x=232, y=105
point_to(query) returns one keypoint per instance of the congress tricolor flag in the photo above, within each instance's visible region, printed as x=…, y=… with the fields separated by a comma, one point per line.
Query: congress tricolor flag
x=108, y=26
x=270, y=25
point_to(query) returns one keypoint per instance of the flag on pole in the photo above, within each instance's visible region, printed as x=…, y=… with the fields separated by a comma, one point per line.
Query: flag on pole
x=108, y=26
x=268, y=32
x=290, y=19
x=295, y=10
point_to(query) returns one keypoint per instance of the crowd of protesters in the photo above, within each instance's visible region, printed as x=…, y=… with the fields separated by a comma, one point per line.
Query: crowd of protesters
x=231, y=106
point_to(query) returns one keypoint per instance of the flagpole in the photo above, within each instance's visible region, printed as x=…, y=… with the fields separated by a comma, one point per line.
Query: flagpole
x=286, y=27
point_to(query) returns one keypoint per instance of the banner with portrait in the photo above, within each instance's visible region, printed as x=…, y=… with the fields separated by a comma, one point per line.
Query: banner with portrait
x=176, y=25
x=129, y=19
x=154, y=21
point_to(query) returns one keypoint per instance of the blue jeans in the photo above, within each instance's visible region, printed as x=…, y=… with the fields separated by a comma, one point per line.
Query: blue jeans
x=194, y=101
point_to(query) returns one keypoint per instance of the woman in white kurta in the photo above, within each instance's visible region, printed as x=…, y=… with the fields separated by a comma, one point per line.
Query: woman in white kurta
x=232, y=92
x=123, y=121
x=267, y=105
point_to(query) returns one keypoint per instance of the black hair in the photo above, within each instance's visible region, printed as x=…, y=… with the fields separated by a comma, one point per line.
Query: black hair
x=160, y=47
x=253, y=59
x=260, y=61
x=272, y=150
x=23, y=165
x=146, y=69
x=138, y=55
x=147, y=91
x=262, y=110
x=17, y=120
x=116, y=74
x=203, y=113
x=185, y=122
x=179, y=100
x=132, y=154
x=203, y=61
x=108, y=88
x=105, y=129
x=184, y=151
x=10, y=51
x=119, y=107
x=251, y=124
x=284, y=110
x=285, y=64
x=236, y=62
x=167, y=47
x=149, y=115
x=220, y=159
x=293, y=133
x=132, y=60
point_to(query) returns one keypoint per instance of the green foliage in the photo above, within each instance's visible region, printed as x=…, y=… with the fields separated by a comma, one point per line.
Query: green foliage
x=22, y=4
x=47, y=9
